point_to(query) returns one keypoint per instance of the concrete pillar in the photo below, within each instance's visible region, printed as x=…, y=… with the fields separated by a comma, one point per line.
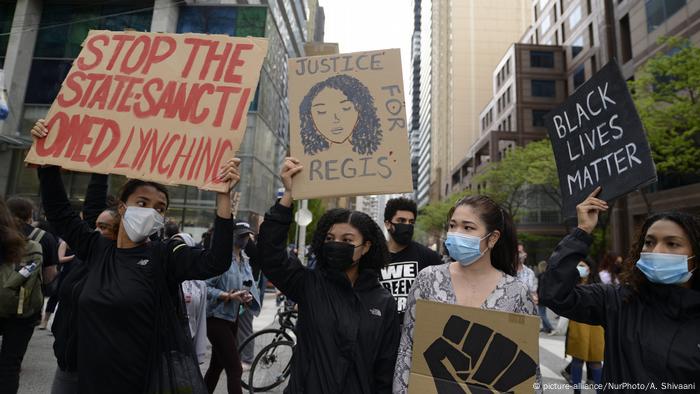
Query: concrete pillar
x=18, y=61
x=165, y=14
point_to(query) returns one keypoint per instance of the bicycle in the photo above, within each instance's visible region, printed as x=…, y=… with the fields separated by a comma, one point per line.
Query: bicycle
x=271, y=364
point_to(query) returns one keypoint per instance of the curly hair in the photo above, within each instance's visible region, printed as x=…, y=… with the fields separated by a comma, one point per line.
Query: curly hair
x=504, y=256
x=378, y=255
x=367, y=133
x=12, y=241
x=399, y=204
x=632, y=277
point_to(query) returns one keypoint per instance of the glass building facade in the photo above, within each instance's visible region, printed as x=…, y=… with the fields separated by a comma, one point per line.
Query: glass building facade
x=64, y=25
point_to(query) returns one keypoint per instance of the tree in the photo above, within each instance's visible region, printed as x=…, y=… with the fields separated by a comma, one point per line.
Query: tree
x=432, y=218
x=666, y=91
x=520, y=171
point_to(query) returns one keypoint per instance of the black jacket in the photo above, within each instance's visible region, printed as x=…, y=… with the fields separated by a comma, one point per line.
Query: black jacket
x=652, y=340
x=65, y=324
x=348, y=336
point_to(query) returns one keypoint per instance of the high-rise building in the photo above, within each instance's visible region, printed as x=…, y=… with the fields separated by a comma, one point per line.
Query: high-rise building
x=40, y=38
x=414, y=93
x=568, y=41
x=462, y=40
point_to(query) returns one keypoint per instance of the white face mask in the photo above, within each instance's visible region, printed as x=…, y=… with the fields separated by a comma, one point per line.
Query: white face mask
x=141, y=223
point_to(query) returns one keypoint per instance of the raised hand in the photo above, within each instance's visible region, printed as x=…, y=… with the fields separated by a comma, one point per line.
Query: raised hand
x=589, y=210
x=290, y=167
x=230, y=172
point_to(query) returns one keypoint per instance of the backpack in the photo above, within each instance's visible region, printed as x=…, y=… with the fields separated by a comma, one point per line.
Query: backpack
x=20, y=296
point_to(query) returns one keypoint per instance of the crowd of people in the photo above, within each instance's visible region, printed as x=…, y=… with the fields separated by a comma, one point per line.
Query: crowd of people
x=135, y=299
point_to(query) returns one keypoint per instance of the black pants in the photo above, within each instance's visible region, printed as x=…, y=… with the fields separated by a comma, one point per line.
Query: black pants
x=16, y=333
x=224, y=355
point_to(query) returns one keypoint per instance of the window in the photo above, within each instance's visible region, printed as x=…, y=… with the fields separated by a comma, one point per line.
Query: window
x=56, y=47
x=575, y=17
x=576, y=47
x=660, y=10
x=538, y=117
x=625, y=39
x=7, y=11
x=543, y=88
x=234, y=21
x=591, y=37
x=546, y=24
x=509, y=124
x=542, y=59
x=579, y=76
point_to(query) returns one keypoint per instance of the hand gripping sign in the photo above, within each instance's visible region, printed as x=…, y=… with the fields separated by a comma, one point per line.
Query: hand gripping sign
x=162, y=107
x=348, y=124
x=458, y=349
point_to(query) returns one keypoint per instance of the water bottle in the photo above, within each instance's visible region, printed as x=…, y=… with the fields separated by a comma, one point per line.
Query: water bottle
x=27, y=270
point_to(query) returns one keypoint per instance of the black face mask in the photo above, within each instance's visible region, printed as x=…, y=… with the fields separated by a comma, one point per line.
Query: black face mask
x=402, y=233
x=338, y=255
x=241, y=242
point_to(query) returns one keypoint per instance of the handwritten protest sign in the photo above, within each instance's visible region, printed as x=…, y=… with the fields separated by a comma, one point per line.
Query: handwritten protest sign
x=161, y=107
x=458, y=349
x=348, y=124
x=598, y=139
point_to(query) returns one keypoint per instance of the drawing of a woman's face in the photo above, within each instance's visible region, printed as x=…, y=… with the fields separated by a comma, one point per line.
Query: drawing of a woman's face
x=334, y=115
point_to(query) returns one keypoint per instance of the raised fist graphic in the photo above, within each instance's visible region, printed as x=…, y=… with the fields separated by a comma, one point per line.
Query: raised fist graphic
x=485, y=360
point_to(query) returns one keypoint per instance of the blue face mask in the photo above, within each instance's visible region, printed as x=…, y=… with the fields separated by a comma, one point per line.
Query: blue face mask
x=465, y=249
x=583, y=271
x=665, y=268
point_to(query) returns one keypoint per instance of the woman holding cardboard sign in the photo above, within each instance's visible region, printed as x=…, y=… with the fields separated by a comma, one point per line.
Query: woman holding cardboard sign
x=482, y=245
x=133, y=337
x=652, y=319
x=348, y=328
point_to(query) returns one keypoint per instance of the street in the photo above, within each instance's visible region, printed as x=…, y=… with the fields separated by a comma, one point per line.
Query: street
x=39, y=363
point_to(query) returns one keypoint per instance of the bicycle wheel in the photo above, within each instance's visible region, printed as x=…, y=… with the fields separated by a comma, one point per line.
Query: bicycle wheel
x=271, y=366
x=258, y=340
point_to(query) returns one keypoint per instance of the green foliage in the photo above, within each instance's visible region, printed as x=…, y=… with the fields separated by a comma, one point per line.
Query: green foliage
x=532, y=165
x=432, y=218
x=666, y=91
x=317, y=210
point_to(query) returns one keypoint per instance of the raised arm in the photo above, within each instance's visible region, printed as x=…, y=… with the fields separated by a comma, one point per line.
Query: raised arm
x=66, y=222
x=95, y=198
x=558, y=287
x=287, y=274
x=197, y=263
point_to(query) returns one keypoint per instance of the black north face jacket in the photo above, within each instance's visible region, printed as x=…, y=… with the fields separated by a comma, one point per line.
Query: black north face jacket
x=347, y=337
x=652, y=340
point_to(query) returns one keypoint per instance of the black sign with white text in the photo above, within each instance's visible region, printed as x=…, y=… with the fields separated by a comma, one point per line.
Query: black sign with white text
x=598, y=139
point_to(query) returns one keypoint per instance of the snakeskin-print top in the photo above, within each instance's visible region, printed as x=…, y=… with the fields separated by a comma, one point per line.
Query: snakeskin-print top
x=434, y=283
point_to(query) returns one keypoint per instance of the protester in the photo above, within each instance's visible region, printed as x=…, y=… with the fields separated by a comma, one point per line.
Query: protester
x=481, y=242
x=407, y=256
x=652, y=319
x=195, y=297
x=610, y=268
x=23, y=210
x=541, y=309
x=20, y=296
x=226, y=294
x=527, y=276
x=170, y=229
x=348, y=328
x=130, y=338
x=584, y=342
x=242, y=234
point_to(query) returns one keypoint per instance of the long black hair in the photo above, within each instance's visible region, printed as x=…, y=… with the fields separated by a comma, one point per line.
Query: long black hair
x=504, y=255
x=634, y=278
x=378, y=255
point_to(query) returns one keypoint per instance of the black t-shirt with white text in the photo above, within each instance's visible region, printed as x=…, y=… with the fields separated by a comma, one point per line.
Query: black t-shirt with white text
x=400, y=274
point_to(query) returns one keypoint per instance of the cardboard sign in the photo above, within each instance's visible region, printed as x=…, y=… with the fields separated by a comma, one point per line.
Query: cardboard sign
x=598, y=139
x=168, y=108
x=470, y=350
x=348, y=125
